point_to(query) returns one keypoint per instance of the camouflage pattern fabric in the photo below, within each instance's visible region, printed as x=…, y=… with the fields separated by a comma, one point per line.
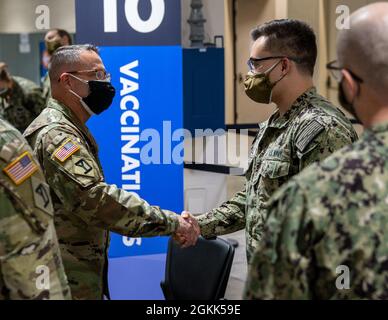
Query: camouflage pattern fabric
x=23, y=104
x=310, y=131
x=85, y=206
x=326, y=231
x=30, y=261
x=46, y=88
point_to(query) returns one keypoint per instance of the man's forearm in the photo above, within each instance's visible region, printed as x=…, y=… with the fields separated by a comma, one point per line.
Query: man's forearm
x=228, y=218
x=114, y=209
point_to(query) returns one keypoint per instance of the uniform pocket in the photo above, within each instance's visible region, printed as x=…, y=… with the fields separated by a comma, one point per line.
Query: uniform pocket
x=274, y=169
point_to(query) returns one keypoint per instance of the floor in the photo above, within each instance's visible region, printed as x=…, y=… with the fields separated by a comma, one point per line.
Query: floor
x=238, y=274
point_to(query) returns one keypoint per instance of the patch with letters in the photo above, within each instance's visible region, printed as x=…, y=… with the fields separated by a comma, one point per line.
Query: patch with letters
x=308, y=134
x=275, y=153
x=66, y=150
x=21, y=169
x=83, y=167
x=42, y=197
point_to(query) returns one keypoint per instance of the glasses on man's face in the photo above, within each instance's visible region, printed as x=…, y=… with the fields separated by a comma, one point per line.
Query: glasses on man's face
x=336, y=72
x=256, y=64
x=99, y=74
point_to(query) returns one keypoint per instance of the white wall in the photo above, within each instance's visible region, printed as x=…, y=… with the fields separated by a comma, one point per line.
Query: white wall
x=18, y=16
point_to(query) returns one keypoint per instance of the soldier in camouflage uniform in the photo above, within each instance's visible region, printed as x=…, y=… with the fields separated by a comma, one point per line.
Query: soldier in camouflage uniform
x=326, y=231
x=304, y=131
x=30, y=261
x=86, y=207
x=54, y=39
x=20, y=99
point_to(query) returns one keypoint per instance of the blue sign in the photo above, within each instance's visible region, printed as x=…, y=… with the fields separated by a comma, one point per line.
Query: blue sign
x=129, y=22
x=135, y=135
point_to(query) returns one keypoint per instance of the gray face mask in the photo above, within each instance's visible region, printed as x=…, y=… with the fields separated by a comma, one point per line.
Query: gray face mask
x=100, y=97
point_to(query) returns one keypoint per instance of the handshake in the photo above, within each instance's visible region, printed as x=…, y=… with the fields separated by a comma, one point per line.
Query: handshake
x=188, y=231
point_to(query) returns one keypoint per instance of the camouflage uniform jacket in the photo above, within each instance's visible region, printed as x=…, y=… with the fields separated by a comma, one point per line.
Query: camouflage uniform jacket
x=30, y=261
x=85, y=206
x=23, y=104
x=326, y=234
x=310, y=131
x=46, y=88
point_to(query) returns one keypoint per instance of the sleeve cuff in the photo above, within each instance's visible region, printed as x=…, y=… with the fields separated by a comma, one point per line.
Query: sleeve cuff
x=172, y=222
x=205, y=225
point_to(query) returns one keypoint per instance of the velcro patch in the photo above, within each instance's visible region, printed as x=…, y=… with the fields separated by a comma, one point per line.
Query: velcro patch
x=308, y=134
x=58, y=139
x=7, y=153
x=66, y=150
x=21, y=169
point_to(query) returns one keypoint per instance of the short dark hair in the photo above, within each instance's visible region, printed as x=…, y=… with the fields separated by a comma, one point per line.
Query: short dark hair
x=66, y=57
x=292, y=38
x=64, y=34
x=4, y=73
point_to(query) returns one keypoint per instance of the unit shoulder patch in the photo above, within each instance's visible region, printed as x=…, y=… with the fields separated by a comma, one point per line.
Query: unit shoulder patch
x=83, y=167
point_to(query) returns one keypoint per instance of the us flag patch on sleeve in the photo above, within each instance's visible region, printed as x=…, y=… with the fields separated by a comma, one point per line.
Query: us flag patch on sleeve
x=66, y=150
x=21, y=169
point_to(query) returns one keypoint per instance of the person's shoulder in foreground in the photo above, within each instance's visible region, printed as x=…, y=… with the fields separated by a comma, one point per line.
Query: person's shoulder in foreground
x=30, y=261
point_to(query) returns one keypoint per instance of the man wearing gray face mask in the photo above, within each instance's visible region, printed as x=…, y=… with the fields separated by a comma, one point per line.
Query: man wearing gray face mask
x=305, y=128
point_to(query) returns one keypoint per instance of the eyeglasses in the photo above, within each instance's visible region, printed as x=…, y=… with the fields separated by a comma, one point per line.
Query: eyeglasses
x=99, y=74
x=336, y=72
x=255, y=64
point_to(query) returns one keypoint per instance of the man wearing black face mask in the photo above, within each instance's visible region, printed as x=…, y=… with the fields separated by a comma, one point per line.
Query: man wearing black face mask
x=85, y=206
x=326, y=231
x=305, y=128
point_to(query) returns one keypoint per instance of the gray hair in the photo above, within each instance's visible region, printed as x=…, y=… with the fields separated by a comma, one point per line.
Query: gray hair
x=67, y=57
x=364, y=47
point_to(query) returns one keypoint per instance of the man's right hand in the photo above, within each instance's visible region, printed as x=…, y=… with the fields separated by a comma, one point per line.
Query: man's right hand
x=188, y=231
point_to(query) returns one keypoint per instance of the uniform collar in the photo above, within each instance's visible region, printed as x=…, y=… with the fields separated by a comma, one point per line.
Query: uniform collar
x=70, y=115
x=378, y=128
x=275, y=121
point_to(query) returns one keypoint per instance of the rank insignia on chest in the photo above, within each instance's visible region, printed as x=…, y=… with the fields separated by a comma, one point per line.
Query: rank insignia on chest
x=21, y=169
x=66, y=150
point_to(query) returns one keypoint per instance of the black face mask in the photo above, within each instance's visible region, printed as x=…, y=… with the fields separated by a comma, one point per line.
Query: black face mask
x=100, y=97
x=348, y=106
